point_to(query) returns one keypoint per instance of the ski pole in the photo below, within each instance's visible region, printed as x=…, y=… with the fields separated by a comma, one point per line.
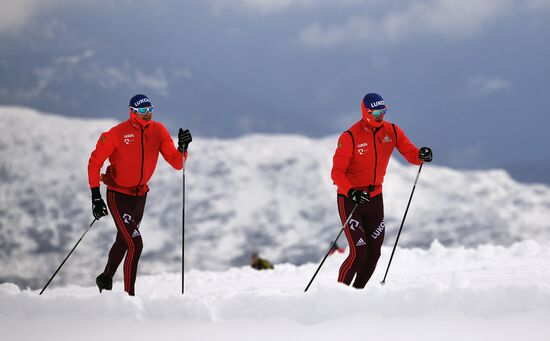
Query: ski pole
x=402, y=222
x=183, y=223
x=335, y=240
x=59, y=268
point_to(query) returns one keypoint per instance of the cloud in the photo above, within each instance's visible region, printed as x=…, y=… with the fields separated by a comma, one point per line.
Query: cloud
x=269, y=7
x=538, y=4
x=42, y=77
x=467, y=156
x=355, y=29
x=447, y=18
x=429, y=8
x=185, y=73
x=482, y=86
x=75, y=59
x=15, y=14
x=155, y=81
x=259, y=6
x=436, y=16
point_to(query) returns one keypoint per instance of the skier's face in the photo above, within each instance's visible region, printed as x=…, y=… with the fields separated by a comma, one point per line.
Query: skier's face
x=146, y=117
x=144, y=113
x=377, y=115
x=373, y=118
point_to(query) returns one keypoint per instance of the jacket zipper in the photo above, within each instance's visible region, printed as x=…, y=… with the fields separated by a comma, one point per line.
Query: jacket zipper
x=142, y=160
x=375, y=154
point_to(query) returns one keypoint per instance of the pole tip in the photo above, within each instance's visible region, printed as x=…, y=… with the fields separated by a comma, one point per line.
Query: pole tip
x=383, y=283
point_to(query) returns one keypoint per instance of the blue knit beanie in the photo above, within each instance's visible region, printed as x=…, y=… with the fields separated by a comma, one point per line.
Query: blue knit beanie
x=373, y=101
x=140, y=101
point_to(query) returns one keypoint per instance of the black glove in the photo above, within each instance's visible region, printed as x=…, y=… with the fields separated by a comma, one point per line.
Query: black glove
x=184, y=138
x=425, y=154
x=358, y=196
x=99, y=208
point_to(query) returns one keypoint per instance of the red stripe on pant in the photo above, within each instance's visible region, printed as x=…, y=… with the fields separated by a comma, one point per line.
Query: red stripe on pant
x=132, y=252
x=365, y=234
x=345, y=267
x=129, y=242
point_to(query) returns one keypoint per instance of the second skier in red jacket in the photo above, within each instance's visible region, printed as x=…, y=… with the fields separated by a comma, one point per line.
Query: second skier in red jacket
x=359, y=166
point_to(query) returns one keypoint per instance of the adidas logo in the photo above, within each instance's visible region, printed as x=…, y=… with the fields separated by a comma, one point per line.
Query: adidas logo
x=360, y=242
x=135, y=234
x=387, y=139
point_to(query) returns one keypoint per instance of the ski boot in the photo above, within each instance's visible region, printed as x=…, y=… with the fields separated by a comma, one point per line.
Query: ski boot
x=104, y=282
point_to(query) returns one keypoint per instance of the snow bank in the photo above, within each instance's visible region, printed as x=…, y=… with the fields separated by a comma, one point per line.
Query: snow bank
x=488, y=292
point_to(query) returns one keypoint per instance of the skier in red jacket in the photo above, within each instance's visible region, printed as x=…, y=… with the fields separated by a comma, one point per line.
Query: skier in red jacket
x=132, y=148
x=359, y=166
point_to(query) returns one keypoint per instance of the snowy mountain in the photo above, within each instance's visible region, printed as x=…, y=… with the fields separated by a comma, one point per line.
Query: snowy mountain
x=270, y=193
x=440, y=293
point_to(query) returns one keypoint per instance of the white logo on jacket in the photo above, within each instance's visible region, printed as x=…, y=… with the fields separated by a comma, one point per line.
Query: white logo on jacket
x=387, y=139
x=128, y=138
x=360, y=148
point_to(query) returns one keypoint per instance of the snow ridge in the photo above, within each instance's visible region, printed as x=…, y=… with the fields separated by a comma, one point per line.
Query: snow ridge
x=259, y=192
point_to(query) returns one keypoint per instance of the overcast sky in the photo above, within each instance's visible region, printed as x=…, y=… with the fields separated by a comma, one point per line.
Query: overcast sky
x=468, y=78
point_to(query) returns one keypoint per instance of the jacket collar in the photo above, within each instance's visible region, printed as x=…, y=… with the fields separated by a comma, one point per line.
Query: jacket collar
x=366, y=126
x=137, y=122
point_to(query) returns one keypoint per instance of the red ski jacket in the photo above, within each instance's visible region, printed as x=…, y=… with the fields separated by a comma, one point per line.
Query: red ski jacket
x=363, y=153
x=132, y=147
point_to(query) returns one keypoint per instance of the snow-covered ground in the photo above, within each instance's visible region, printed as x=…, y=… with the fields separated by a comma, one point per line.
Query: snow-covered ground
x=439, y=293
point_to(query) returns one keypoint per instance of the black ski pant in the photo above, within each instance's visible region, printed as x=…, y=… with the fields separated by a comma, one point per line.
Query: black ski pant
x=365, y=235
x=127, y=212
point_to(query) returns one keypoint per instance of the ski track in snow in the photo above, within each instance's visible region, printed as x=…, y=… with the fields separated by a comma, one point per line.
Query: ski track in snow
x=486, y=293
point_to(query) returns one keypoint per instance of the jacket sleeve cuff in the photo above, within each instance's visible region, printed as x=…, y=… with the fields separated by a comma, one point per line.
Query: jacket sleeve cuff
x=346, y=190
x=95, y=192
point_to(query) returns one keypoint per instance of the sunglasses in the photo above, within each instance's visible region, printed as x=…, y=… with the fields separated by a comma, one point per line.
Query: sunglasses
x=142, y=110
x=378, y=112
